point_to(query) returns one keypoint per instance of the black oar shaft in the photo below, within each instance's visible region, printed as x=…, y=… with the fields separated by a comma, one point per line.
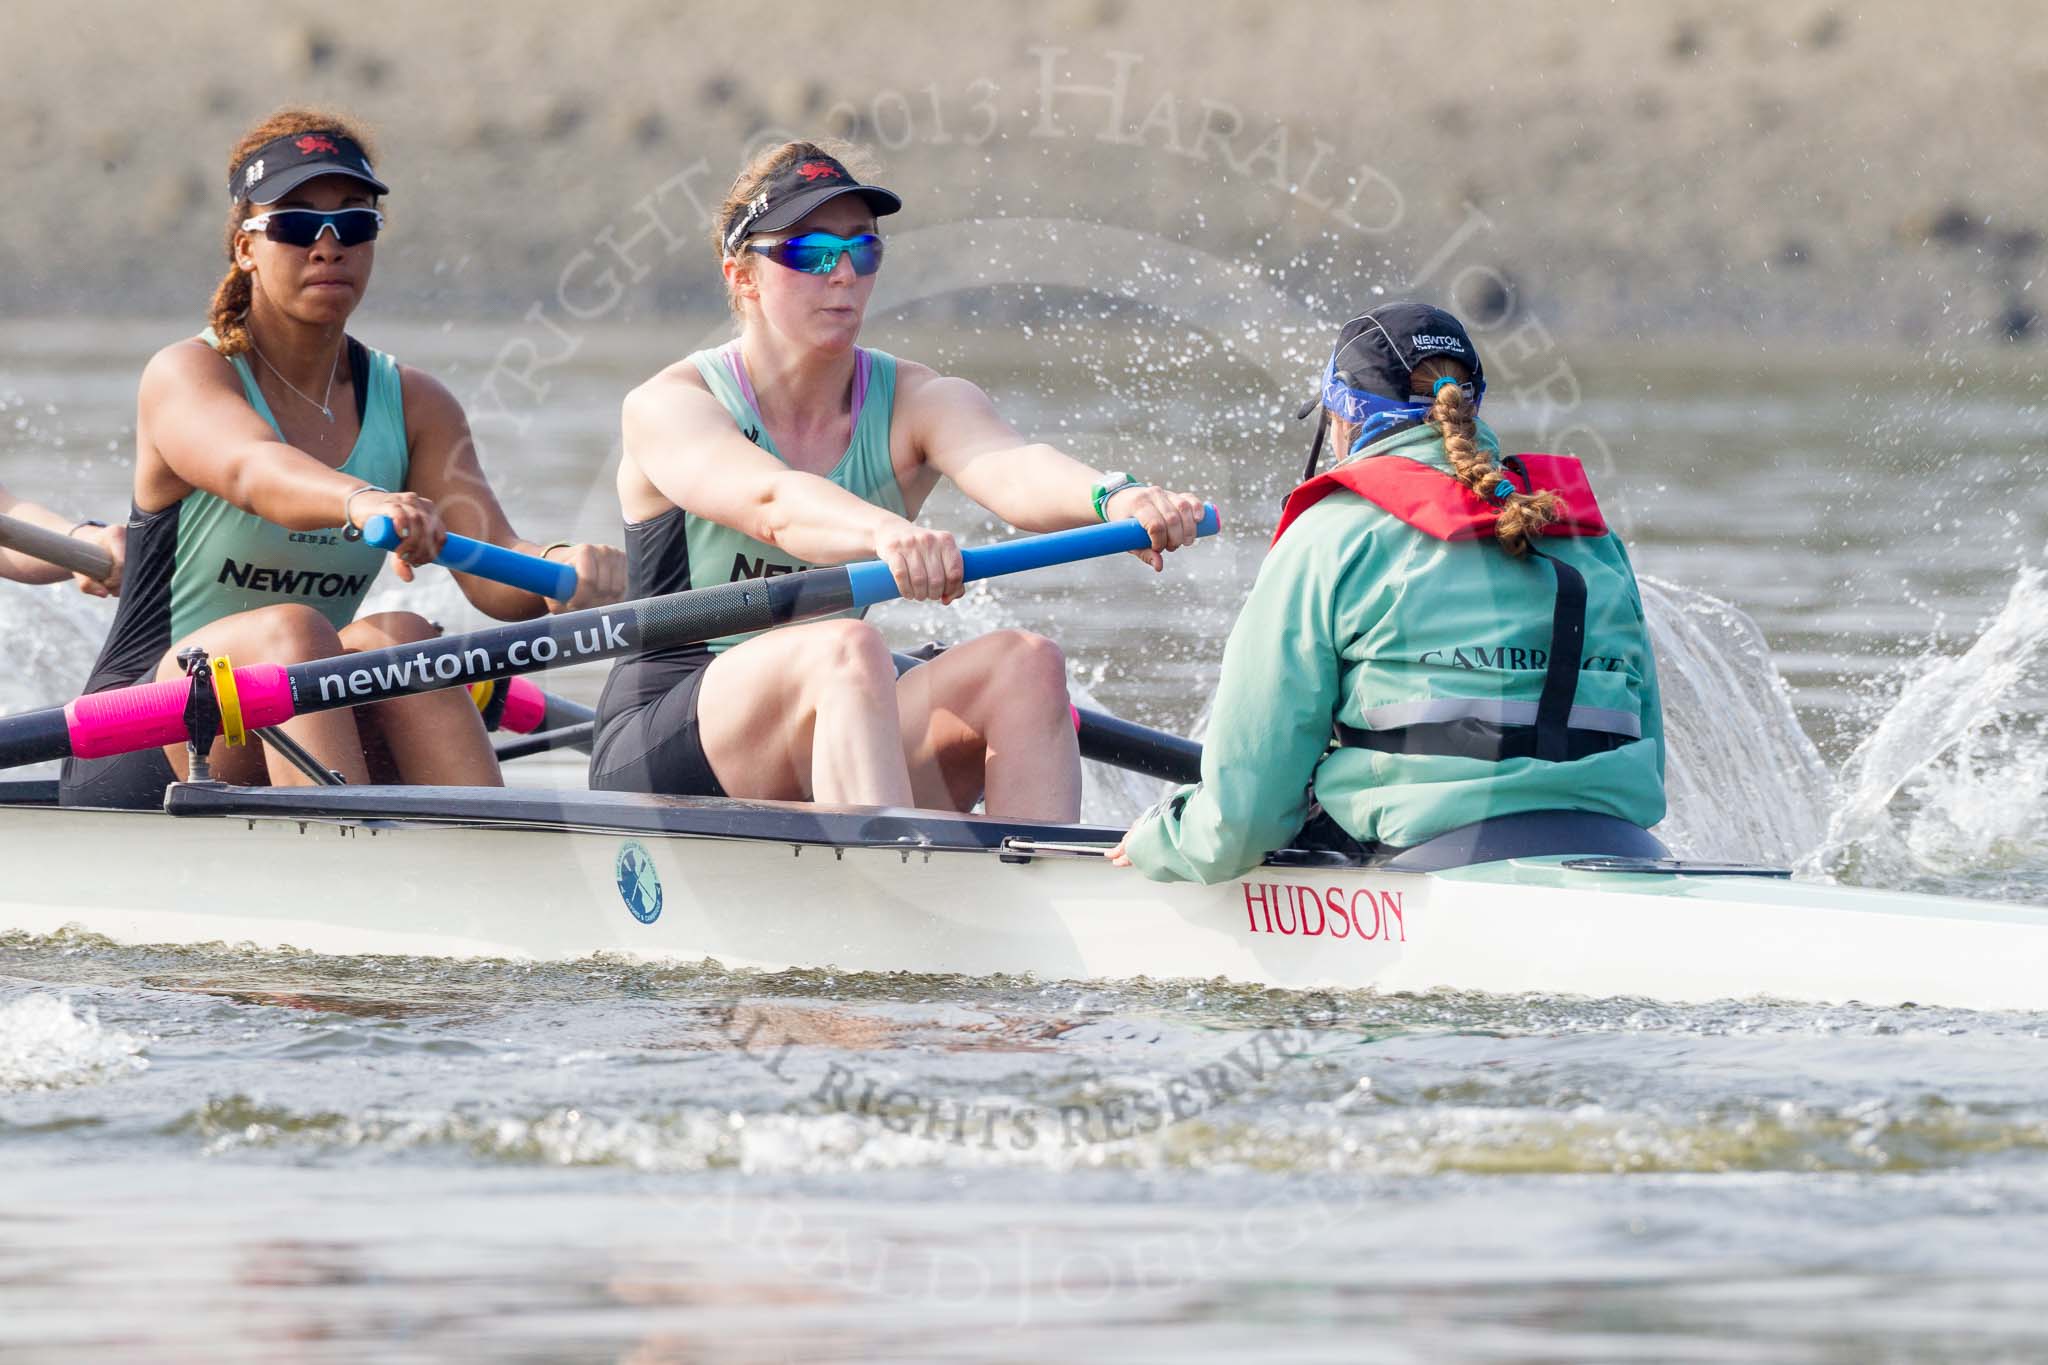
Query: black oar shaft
x=34, y=737
x=576, y=637
x=1110, y=739
x=1126, y=744
x=577, y=736
x=562, y=714
x=125, y=720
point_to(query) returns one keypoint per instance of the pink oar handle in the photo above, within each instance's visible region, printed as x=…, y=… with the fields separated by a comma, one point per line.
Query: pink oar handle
x=131, y=718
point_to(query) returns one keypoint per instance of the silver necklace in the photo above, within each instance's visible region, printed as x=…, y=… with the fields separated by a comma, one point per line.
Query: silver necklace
x=325, y=410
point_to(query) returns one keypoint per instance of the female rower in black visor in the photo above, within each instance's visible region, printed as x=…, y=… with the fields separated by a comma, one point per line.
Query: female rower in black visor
x=262, y=446
x=793, y=446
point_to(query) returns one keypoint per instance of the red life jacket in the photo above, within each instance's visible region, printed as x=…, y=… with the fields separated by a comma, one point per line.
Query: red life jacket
x=1440, y=505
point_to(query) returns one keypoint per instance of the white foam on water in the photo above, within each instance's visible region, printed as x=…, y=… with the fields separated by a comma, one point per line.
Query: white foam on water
x=48, y=1042
x=1742, y=779
x=1953, y=777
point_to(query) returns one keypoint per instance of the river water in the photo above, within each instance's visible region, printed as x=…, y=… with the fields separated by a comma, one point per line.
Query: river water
x=228, y=1153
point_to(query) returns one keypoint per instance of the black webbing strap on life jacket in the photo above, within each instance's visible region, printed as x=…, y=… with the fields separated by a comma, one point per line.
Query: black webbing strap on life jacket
x=1551, y=738
x=1561, y=674
x=1486, y=740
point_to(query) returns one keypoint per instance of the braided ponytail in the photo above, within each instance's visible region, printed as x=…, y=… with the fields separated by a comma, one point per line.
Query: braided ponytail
x=229, y=312
x=1522, y=515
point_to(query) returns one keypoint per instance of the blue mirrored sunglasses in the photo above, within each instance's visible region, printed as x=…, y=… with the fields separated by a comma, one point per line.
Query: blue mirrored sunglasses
x=818, y=253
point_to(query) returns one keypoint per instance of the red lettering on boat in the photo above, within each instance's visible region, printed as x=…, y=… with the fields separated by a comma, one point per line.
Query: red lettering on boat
x=1390, y=901
x=1302, y=898
x=1358, y=916
x=1342, y=917
x=1263, y=892
x=1270, y=908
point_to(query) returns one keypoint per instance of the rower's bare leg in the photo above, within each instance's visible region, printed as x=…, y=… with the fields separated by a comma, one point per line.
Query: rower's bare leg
x=806, y=713
x=434, y=739
x=991, y=718
x=287, y=634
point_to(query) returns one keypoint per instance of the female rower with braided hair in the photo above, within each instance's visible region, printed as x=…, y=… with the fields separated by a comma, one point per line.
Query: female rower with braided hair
x=262, y=447
x=1444, y=650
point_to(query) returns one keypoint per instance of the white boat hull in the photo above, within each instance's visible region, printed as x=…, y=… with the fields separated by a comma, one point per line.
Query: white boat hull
x=348, y=885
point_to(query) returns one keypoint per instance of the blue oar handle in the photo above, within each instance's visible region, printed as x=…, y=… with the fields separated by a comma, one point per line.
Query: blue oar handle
x=485, y=560
x=872, y=582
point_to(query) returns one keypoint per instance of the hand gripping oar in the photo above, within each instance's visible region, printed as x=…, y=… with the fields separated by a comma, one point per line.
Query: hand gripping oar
x=126, y=719
x=1109, y=739
x=485, y=560
x=66, y=552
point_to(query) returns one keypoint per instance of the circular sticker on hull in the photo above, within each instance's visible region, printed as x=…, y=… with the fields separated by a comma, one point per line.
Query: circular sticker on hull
x=639, y=883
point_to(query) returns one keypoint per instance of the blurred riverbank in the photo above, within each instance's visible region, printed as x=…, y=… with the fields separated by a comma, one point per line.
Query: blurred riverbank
x=1709, y=171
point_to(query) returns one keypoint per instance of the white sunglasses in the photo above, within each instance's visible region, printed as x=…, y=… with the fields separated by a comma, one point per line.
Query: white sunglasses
x=302, y=227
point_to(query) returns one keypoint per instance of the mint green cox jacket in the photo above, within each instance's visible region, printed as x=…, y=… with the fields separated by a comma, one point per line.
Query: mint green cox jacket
x=1354, y=611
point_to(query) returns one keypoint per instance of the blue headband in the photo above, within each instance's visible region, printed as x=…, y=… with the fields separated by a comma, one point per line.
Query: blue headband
x=1378, y=417
x=1374, y=410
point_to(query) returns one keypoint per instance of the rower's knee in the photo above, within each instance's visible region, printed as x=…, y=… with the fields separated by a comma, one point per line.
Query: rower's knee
x=383, y=629
x=1029, y=665
x=285, y=634
x=852, y=653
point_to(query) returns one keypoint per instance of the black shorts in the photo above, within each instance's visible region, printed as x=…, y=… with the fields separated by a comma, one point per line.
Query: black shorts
x=121, y=782
x=657, y=746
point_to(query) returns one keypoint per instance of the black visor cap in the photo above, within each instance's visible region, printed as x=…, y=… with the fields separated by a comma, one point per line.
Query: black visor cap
x=799, y=189
x=283, y=164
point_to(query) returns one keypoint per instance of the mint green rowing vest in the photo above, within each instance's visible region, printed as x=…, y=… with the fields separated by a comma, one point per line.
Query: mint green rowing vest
x=719, y=554
x=232, y=561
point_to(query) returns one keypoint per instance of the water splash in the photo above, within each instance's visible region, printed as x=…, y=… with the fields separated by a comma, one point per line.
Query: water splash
x=53, y=635
x=1952, y=778
x=47, y=1042
x=1743, y=781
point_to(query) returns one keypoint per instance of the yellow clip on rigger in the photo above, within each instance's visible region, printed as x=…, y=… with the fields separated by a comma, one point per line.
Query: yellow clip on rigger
x=481, y=693
x=229, y=700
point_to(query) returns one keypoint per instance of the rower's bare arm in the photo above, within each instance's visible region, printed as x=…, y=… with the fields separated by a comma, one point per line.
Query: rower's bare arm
x=682, y=449
x=192, y=408
x=1031, y=485
x=445, y=468
x=193, y=414
x=681, y=440
x=957, y=430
